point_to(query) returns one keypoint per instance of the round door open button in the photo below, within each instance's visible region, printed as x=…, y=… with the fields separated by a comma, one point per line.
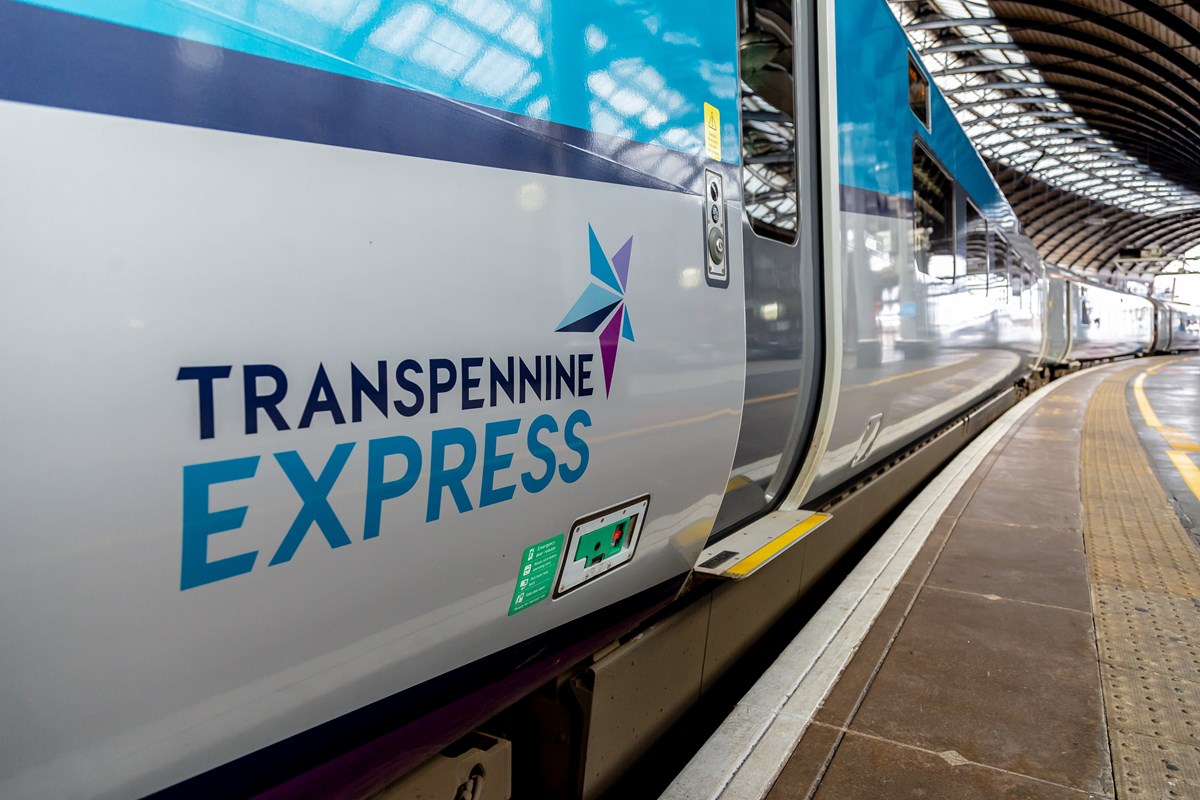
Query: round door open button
x=716, y=245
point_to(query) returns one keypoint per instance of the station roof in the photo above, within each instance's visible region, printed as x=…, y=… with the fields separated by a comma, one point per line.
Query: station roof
x=1088, y=114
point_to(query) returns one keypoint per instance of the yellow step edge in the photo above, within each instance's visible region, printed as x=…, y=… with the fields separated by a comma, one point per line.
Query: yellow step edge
x=764, y=554
x=740, y=553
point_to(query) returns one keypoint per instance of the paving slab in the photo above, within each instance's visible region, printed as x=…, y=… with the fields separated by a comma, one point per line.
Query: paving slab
x=1007, y=684
x=1016, y=562
x=871, y=768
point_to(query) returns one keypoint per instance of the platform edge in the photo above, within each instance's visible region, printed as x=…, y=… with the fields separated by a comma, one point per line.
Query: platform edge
x=744, y=757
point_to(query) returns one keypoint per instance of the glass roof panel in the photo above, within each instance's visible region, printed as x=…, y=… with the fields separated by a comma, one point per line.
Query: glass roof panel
x=1006, y=106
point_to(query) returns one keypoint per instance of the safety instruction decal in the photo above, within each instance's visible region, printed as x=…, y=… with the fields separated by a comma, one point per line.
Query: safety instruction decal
x=712, y=132
x=539, y=565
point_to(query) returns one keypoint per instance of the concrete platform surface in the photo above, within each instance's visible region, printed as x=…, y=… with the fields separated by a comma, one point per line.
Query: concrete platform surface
x=1045, y=640
x=1046, y=643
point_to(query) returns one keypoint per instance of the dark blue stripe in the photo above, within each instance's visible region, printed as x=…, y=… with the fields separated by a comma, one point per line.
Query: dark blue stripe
x=589, y=323
x=58, y=59
x=876, y=204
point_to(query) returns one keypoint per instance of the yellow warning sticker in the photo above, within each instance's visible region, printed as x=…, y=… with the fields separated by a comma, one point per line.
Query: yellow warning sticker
x=712, y=132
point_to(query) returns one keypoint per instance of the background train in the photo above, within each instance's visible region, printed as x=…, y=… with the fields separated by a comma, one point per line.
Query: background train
x=379, y=367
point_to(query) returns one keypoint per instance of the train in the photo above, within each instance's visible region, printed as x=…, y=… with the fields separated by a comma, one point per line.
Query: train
x=380, y=369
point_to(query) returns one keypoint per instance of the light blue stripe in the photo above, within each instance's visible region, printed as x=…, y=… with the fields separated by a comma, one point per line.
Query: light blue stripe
x=876, y=127
x=602, y=269
x=638, y=69
x=592, y=300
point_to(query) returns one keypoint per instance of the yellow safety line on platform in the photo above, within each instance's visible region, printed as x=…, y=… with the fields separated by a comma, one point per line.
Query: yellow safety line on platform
x=768, y=551
x=1184, y=445
x=1143, y=402
x=1188, y=469
x=1181, y=443
x=1144, y=575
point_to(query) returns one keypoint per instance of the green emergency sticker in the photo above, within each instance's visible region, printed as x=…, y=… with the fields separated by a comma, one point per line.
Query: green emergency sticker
x=539, y=565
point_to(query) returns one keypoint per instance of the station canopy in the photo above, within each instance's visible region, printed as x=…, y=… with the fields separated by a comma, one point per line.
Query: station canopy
x=1088, y=114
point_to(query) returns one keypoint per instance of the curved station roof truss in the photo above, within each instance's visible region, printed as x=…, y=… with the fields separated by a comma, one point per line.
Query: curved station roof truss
x=1088, y=114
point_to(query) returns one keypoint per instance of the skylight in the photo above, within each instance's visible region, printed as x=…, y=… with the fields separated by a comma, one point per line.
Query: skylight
x=1015, y=118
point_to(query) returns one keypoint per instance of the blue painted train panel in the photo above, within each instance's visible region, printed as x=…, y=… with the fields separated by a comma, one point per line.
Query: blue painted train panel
x=875, y=125
x=641, y=71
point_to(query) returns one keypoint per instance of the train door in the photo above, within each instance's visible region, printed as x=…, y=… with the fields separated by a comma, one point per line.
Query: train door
x=1058, y=316
x=783, y=329
x=1162, y=327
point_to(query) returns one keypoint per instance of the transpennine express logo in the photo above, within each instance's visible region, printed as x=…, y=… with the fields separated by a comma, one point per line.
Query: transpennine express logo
x=603, y=304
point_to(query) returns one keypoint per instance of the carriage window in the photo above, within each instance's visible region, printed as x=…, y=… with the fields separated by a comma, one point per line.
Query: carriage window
x=933, y=216
x=977, y=242
x=769, y=173
x=918, y=91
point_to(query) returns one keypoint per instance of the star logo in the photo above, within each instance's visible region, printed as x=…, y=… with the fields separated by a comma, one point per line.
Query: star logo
x=603, y=304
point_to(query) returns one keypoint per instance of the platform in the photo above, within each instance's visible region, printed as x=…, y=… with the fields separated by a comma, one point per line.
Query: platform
x=1029, y=627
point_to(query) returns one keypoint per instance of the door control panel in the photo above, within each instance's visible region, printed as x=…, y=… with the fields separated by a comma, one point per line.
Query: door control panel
x=716, y=243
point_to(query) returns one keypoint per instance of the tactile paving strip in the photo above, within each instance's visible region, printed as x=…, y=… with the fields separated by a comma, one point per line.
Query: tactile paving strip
x=1157, y=768
x=1133, y=691
x=1151, y=631
x=1145, y=575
